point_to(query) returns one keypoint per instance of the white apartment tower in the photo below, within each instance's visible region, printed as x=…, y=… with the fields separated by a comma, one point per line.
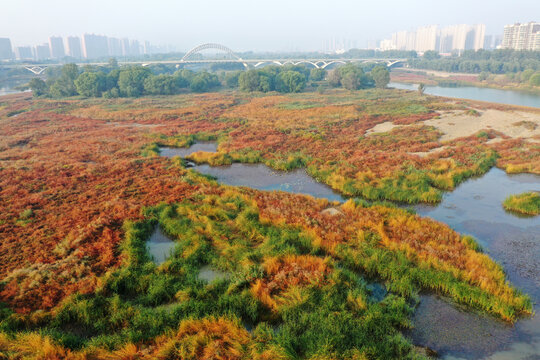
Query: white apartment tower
x=426, y=38
x=452, y=38
x=115, y=47
x=74, y=47
x=95, y=46
x=521, y=36
x=56, y=47
x=479, y=36
x=5, y=49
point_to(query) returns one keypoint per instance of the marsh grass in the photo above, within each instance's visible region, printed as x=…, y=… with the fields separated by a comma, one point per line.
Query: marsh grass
x=526, y=203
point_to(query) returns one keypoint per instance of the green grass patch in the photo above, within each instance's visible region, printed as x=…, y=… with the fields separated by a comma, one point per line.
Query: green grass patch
x=527, y=203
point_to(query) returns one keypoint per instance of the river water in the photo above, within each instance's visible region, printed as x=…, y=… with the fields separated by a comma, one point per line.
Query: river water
x=11, y=86
x=7, y=91
x=477, y=93
x=475, y=208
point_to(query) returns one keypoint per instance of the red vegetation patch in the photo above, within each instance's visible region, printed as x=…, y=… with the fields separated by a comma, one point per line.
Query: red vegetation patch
x=286, y=274
x=422, y=239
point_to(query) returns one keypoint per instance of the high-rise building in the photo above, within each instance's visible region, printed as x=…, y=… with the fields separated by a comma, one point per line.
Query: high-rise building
x=95, y=46
x=521, y=36
x=56, y=47
x=470, y=37
x=115, y=47
x=147, y=48
x=426, y=38
x=42, y=52
x=6, y=53
x=535, y=42
x=126, y=51
x=479, y=36
x=404, y=40
x=135, y=48
x=446, y=40
x=23, y=53
x=74, y=47
x=459, y=36
x=387, y=45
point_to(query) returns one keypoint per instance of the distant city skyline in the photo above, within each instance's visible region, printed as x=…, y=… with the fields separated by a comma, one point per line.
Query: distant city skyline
x=444, y=40
x=247, y=24
x=88, y=46
x=432, y=37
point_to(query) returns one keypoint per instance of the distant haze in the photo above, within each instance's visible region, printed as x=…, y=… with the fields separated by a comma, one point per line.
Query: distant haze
x=250, y=24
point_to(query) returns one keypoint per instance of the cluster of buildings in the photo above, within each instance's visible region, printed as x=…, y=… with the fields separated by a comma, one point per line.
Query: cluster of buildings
x=89, y=46
x=457, y=38
x=338, y=46
x=521, y=36
x=444, y=40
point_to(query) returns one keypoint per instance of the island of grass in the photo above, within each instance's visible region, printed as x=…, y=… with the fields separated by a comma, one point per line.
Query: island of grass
x=526, y=203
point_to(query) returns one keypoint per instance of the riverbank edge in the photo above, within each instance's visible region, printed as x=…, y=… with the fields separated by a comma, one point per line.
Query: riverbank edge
x=445, y=80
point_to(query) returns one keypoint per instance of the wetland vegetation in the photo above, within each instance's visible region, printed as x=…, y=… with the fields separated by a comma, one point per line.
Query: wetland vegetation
x=84, y=184
x=527, y=203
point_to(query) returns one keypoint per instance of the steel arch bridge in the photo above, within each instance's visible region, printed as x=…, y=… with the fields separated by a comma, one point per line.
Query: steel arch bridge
x=207, y=46
x=318, y=63
x=323, y=64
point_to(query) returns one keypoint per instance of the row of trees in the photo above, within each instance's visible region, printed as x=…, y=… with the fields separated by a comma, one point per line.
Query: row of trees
x=495, y=62
x=525, y=77
x=126, y=82
x=112, y=81
x=294, y=78
x=353, y=77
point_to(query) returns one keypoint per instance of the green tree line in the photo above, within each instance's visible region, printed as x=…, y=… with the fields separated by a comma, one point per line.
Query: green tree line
x=470, y=61
x=134, y=81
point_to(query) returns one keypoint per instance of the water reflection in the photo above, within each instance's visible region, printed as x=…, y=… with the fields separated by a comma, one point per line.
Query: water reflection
x=209, y=274
x=377, y=291
x=257, y=176
x=450, y=329
x=159, y=246
x=183, y=152
x=261, y=177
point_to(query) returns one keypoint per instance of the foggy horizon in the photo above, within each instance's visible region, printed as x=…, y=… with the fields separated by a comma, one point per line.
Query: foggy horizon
x=250, y=26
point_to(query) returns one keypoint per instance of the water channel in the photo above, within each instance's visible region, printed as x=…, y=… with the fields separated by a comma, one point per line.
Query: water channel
x=472, y=208
x=509, y=97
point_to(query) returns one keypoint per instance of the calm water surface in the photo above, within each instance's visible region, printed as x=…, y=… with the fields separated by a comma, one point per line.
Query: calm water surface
x=258, y=176
x=183, y=152
x=7, y=91
x=477, y=93
x=10, y=86
x=514, y=241
x=475, y=208
x=160, y=246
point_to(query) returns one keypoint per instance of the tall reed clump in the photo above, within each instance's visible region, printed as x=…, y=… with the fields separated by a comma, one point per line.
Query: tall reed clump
x=526, y=203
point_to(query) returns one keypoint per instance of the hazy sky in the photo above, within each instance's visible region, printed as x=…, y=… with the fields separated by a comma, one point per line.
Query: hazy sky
x=250, y=24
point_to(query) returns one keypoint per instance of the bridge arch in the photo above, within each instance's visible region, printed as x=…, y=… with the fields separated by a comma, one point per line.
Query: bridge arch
x=36, y=70
x=325, y=64
x=391, y=63
x=207, y=46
